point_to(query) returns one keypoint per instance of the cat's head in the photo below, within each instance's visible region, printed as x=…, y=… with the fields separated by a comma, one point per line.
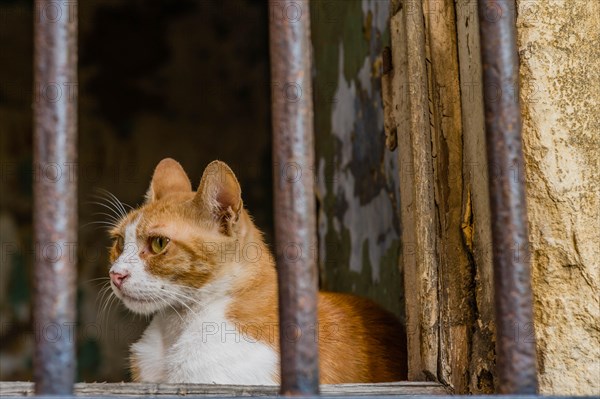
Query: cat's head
x=179, y=241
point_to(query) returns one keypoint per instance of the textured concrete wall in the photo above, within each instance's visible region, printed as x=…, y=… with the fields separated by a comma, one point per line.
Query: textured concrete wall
x=560, y=80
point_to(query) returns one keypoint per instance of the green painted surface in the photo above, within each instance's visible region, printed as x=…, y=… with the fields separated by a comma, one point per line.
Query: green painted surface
x=357, y=185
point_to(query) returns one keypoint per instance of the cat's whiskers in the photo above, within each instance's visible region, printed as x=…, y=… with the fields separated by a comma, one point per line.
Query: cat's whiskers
x=101, y=224
x=104, y=303
x=118, y=209
x=176, y=296
x=203, y=296
x=195, y=296
x=111, y=218
x=105, y=279
x=116, y=201
x=112, y=299
x=154, y=299
x=172, y=307
x=111, y=200
x=116, y=213
x=103, y=291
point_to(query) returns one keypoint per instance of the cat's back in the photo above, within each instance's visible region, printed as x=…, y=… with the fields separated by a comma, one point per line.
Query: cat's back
x=359, y=341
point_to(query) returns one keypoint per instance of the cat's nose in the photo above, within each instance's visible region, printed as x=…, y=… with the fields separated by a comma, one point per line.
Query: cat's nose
x=118, y=278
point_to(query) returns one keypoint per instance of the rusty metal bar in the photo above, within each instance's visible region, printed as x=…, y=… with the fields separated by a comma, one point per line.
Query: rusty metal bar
x=55, y=195
x=295, y=226
x=516, y=351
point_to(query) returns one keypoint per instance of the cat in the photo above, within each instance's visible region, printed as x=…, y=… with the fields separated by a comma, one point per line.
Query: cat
x=199, y=265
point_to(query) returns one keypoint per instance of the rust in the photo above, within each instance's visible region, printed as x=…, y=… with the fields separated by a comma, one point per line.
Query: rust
x=55, y=195
x=516, y=351
x=295, y=225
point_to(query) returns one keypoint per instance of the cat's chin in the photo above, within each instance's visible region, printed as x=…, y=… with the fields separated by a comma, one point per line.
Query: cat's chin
x=139, y=306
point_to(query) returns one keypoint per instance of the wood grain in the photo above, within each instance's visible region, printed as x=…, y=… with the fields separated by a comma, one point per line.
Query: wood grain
x=418, y=213
x=147, y=389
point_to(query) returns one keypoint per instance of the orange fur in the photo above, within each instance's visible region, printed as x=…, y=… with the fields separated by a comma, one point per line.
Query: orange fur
x=210, y=231
x=134, y=369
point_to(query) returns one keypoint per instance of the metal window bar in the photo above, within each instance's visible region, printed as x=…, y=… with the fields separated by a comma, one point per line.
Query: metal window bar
x=516, y=353
x=295, y=224
x=55, y=196
x=55, y=202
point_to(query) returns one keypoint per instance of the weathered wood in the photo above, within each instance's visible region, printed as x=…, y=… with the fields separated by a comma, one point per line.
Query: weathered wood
x=476, y=211
x=400, y=107
x=147, y=389
x=423, y=389
x=445, y=260
x=419, y=246
x=424, y=207
x=455, y=272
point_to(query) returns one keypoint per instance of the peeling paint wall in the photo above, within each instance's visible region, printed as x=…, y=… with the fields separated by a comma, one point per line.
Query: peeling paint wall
x=559, y=43
x=357, y=177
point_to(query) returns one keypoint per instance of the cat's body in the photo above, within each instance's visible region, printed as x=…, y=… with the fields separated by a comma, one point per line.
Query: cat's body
x=197, y=262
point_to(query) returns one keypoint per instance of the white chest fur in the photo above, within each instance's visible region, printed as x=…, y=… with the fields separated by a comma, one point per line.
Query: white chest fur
x=204, y=347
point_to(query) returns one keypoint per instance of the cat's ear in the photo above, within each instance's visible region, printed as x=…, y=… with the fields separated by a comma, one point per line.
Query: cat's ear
x=220, y=195
x=168, y=177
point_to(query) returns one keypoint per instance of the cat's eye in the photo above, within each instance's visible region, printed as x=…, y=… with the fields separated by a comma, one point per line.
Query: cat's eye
x=119, y=243
x=158, y=244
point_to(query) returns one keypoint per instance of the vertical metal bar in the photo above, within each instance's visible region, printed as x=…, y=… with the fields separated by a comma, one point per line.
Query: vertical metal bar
x=295, y=226
x=55, y=194
x=516, y=352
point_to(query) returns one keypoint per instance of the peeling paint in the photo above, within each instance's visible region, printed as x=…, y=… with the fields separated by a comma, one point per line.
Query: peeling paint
x=380, y=11
x=359, y=228
x=360, y=219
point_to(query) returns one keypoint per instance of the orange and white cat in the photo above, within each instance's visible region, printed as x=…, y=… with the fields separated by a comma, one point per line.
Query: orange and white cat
x=198, y=264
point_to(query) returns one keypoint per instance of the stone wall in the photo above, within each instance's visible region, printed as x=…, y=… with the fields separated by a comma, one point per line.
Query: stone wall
x=559, y=43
